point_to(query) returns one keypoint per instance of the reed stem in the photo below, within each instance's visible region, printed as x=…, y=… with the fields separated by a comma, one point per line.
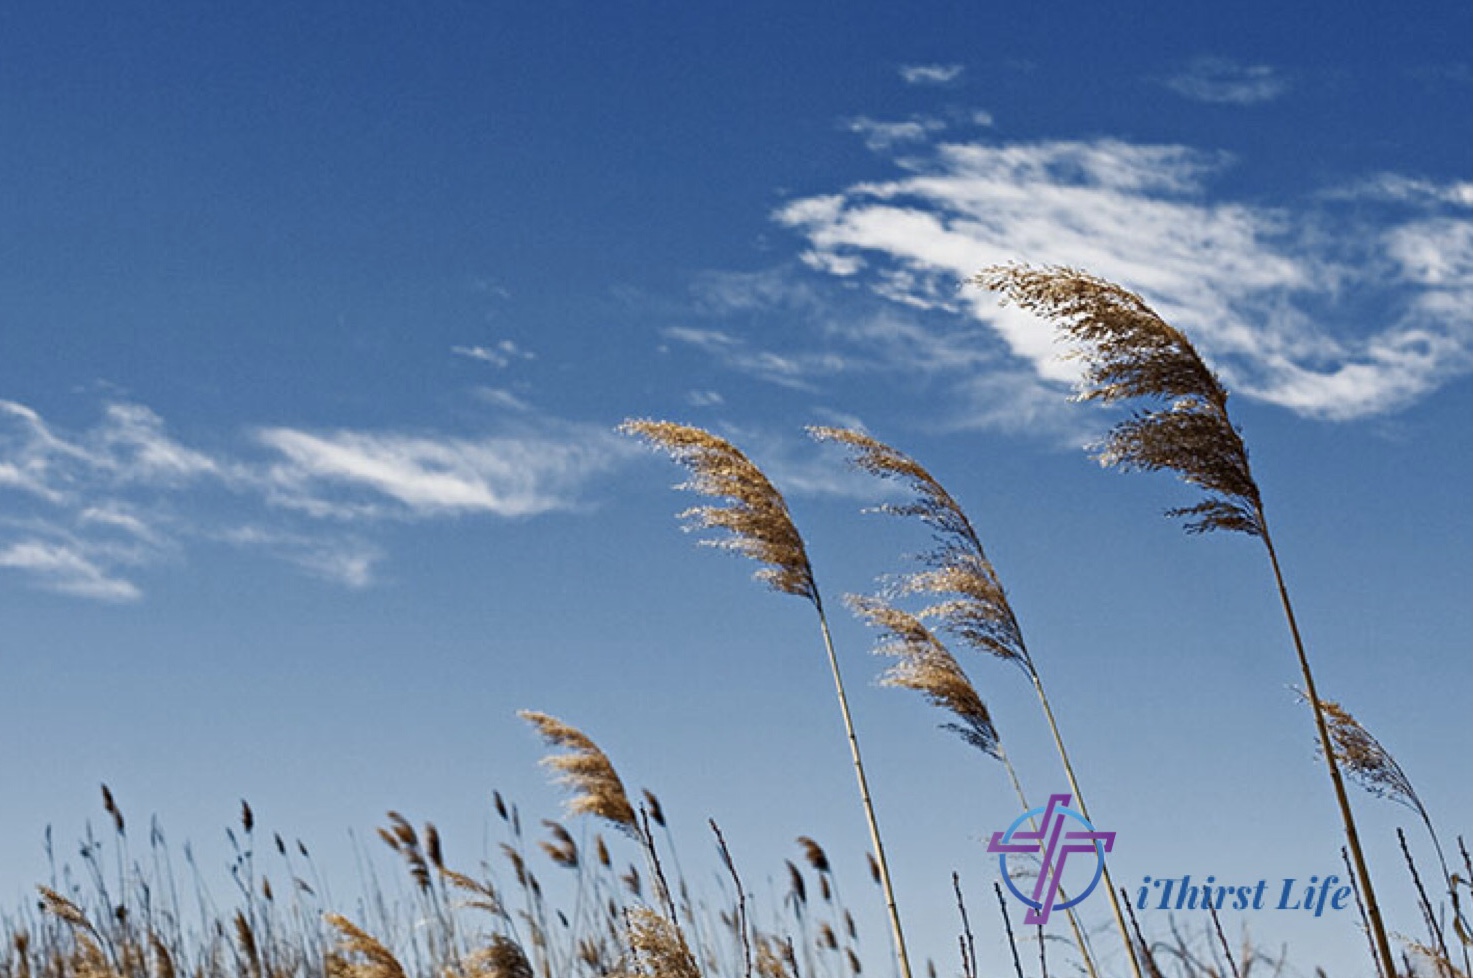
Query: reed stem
x=869, y=809
x=1327, y=748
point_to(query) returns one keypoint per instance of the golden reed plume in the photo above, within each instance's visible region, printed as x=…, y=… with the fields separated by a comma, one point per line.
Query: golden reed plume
x=926, y=666
x=755, y=517
x=359, y=954
x=975, y=608
x=972, y=606
x=588, y=771
x=758, y=524
x=1129, y=353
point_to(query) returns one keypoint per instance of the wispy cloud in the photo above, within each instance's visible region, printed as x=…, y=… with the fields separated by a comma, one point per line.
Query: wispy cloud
x=880, y=136
x=797, y=370
x=87, y=510
x=930, y=74
x=349, y=562
x=500, y=355
x=1227, y=82
x=351, y=473
x=502, y=398
x=704, y=399
x=1398, y=188
x=66, y=569
x=1254, y=285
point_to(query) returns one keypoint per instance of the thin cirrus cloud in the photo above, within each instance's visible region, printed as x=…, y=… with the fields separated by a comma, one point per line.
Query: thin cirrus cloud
x=501, y=354
x=420, y=476
x=930, y=74
x=881, y=136
x=1251, y=284
x=1223, y=81
x=67, y=569
x=89, y=511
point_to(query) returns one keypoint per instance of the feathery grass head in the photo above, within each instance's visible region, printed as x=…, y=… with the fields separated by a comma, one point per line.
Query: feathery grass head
x=1130, y=352
x=588, y=771
x=656, y=949
x=1366, y=760
x=755, y=518
x=926, y=666
x=362, y=954
x=975, y=607
x=504, y=958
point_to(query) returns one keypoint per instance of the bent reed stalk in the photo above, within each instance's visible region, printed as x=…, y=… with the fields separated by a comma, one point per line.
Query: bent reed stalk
x=757, y=524
x=927, y=666
x=973, y=605
x=1130, y=353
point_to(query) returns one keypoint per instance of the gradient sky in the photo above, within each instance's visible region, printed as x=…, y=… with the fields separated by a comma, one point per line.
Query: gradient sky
x=317, y=320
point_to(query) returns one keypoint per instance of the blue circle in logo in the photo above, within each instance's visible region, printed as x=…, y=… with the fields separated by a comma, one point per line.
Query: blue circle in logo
x=1002, y=858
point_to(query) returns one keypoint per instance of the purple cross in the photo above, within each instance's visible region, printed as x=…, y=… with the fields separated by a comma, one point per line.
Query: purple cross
x=1046, y=889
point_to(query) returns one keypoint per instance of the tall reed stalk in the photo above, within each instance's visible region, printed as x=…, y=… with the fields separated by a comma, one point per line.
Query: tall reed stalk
x=1129, y=354
x=924, y=664
x=973, y=605
x=757, y=524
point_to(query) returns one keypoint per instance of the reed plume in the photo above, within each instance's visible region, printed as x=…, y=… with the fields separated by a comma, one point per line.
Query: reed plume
x=1369, y=764
x=503, y=959
x=970, y=600
x=588, y=771
x=976, y=609
x=359, y=954
x=755, y=521
x=656, y=949
x=928, y=667
x=1131, y=354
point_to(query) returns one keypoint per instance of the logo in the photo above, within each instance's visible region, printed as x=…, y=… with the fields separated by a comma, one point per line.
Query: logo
x=1055, y=843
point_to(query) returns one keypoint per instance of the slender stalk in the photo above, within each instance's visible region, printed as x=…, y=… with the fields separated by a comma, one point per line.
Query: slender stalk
x=1327, y=748
x=1079, y=938
x=1048, y=712
x=1008, y=926
x=869, y=808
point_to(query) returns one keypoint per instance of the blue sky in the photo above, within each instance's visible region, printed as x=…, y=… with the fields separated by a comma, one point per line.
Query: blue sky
x=318, y=319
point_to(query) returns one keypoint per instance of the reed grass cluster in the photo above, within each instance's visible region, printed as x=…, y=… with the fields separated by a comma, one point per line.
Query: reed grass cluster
x=565, y=905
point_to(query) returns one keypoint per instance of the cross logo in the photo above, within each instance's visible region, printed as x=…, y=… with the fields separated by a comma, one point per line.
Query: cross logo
x=1056, y=845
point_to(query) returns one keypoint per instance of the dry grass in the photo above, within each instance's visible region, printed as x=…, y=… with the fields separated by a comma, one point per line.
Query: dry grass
x=588, y=771
x=754, y=519
x=1131, y=353
x=926, y=666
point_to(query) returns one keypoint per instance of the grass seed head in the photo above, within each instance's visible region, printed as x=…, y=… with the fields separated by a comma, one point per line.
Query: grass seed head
x=588, y=771
x=973, y=606
x=362, y=955
x=754, y=518
x=926, y=666
x=1131, y=353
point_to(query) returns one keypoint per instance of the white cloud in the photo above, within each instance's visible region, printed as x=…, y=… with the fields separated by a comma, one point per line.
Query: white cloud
x=130, y=446
x=430, y=476
x=1401, y=189
x=67, y=570
x=702, y=399
x=796, y=370
x=930, y=74
x=500, y=355
x=1227, y=82
x=84, y=509
x=348, y=562
x=880, y=136
x=501, y=398
x=1254, y=286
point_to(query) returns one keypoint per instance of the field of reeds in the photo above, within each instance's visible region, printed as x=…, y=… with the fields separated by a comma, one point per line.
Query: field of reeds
x=608, y=896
